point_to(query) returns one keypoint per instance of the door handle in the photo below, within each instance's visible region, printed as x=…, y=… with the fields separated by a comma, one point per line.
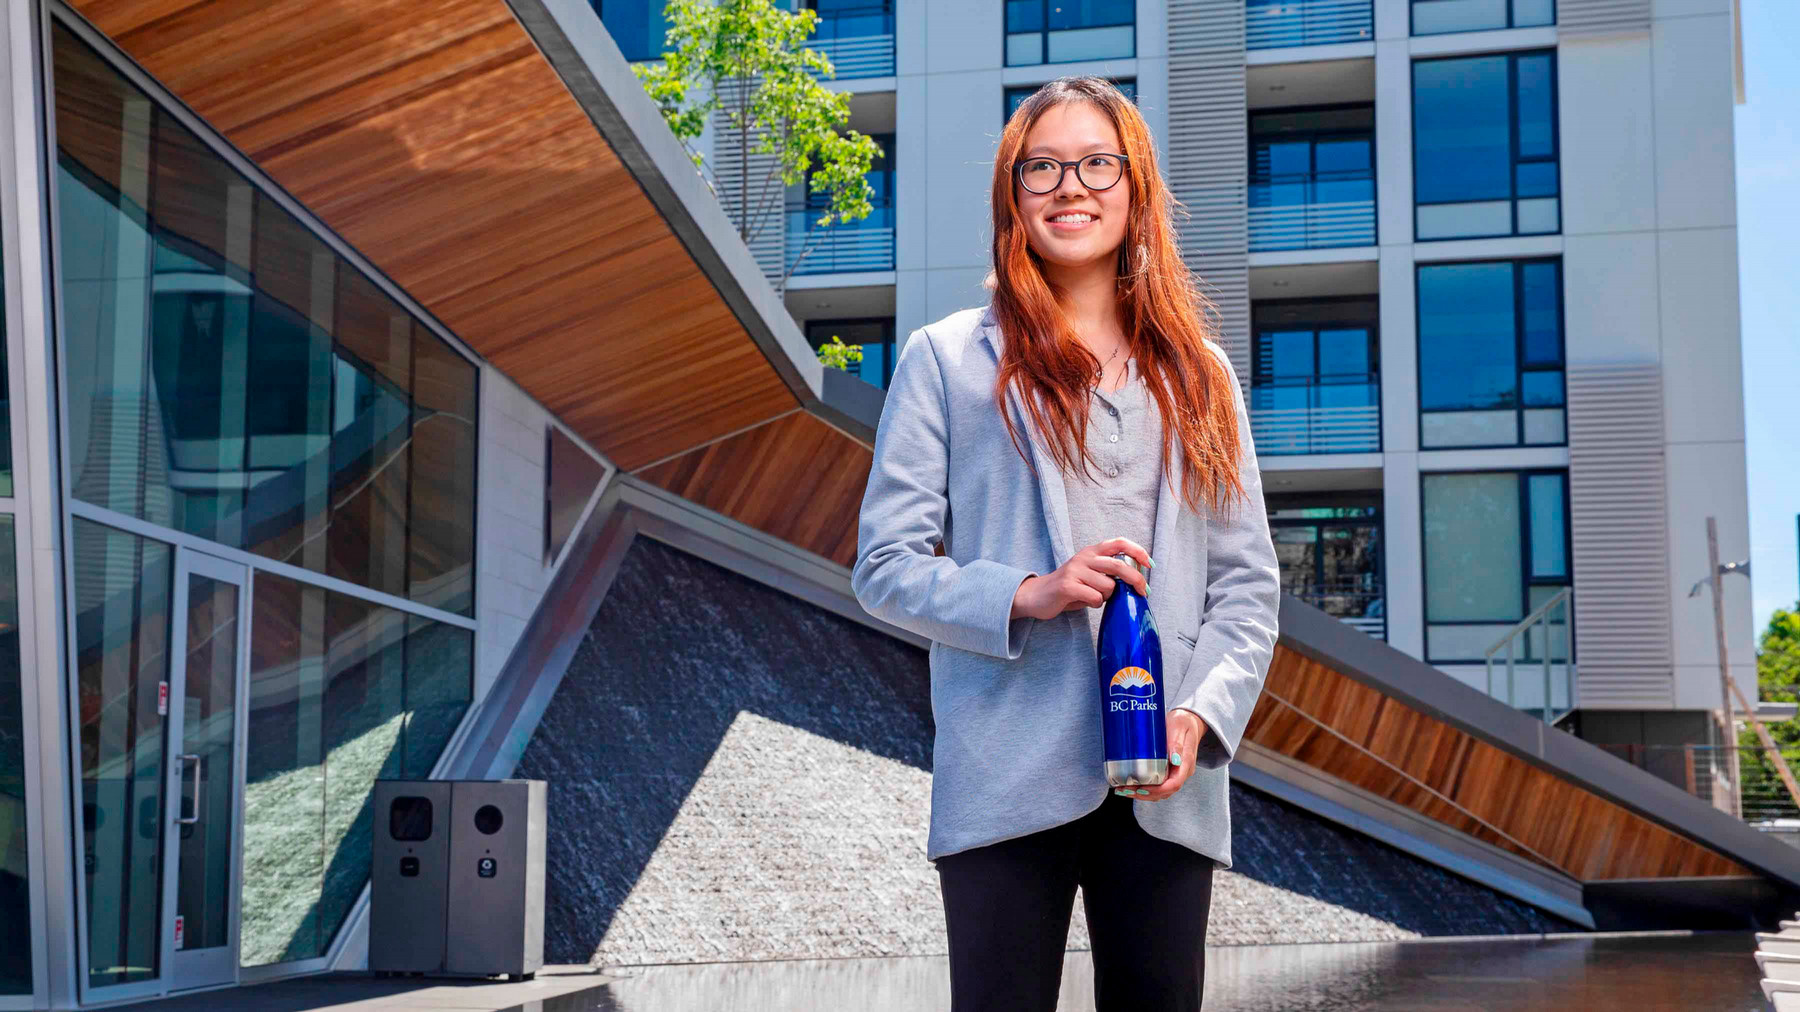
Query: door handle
x=194, y=782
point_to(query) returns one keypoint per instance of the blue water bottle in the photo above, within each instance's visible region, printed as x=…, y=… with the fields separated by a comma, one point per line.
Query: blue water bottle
x=1131, y=691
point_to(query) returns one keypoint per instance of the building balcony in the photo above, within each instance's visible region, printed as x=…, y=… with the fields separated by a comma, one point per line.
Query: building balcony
x=856, y=247
x=1360, y=606
x=858, y=40
x=1280, y=24
x=1316, y=418
x=1311, y=213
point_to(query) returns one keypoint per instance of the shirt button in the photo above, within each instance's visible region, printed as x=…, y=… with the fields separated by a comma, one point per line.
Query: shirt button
x=1113, y=438
x=1114, y=473
x=1112, y=411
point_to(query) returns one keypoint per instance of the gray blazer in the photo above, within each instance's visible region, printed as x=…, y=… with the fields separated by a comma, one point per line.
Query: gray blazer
x=1018, y=746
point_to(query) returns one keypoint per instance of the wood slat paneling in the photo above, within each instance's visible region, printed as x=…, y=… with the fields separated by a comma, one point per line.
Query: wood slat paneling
x=795, y=478
x=438, y=141
x=1388, y=748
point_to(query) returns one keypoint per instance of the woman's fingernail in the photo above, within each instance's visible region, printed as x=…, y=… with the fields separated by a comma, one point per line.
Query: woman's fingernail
x=1175, y=757
x=1122, y=793
x=1142, y=791
x=1152, y=562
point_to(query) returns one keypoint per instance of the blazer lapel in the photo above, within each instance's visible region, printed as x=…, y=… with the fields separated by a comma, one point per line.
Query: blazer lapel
x=1049, y=477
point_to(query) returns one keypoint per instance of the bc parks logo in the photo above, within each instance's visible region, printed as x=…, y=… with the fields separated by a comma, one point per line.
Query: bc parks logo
x=1131, y=689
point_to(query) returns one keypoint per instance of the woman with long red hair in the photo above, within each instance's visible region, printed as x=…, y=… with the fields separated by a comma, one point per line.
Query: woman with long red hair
x=1084, y=414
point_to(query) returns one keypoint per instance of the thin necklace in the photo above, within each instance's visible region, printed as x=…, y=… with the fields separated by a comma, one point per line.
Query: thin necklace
x=1100, y=377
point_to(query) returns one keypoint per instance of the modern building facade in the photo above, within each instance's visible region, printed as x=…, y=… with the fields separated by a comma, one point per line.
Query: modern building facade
x=344, y=367
x=1474, y=259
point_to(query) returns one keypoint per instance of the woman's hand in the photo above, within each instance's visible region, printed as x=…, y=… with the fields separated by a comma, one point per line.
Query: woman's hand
x=1185, y=731
x=1085, y=581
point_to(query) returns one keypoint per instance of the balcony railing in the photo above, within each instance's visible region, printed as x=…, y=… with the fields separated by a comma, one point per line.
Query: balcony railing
x=1533, y=650
x=859, y=41
x=1331, y=418
x=1310, y=225
x=1359, y=606
x=1275, y=24
x=839, y=249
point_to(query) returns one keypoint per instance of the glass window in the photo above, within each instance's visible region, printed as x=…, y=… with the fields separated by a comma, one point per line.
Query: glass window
x=1315, y=384
x=874, y=335
x=1312, y=178
x=342, y=692
x=1064, y=31
x=1330, y=557
x=1490, y=354
x=231, y=377
x=638, y=26
x=1495, y=547
x=15, y=897
x=122, y=589
x=1016, y=96
x=1485, y=146
x=1435, y=17
x=570, y=476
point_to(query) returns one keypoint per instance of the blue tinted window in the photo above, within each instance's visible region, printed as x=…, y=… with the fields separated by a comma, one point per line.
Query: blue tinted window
x=1490, y=345
x=1460, y=129
x=638, y=26
x=1466, y=336
x=1484, y=145
x=1063, y=31
x=1549, y=525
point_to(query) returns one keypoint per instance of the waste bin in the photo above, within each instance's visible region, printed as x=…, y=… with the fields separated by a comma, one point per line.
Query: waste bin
x=457, y=877
x=409, y=877
x=496, y=878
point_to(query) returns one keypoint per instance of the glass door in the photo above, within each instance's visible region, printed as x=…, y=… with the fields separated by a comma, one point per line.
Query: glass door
x=210, y=647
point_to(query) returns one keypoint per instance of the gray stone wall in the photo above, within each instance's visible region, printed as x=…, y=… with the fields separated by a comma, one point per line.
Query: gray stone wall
x=735, y=774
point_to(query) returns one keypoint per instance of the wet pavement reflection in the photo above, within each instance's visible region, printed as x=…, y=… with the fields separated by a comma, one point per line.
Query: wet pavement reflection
x=1704, y=973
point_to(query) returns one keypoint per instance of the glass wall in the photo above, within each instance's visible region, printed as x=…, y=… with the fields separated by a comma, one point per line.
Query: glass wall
x=1491, y=354
x=235, y=383
x=866, y=244
x=1016, y=97
x=1062, y=31
x=1315, y=383
x=230, y=377
x=342, y=692
x=1312, y=178
x=1485, y=146
x=1433, y=17
x=1496, y=547
x=1329, y=548
x=638, y=26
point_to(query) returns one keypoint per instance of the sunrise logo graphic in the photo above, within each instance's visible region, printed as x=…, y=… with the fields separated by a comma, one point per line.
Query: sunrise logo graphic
x=1131, y=681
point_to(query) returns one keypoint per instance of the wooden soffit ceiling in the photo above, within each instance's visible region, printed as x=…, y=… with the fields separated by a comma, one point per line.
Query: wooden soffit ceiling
x=440, y=141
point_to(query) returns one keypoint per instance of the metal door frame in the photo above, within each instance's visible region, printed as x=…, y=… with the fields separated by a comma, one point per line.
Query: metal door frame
x=213, y=967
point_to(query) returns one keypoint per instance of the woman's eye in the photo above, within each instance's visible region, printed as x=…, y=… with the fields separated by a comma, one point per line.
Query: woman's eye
x=1100, y=161
x=1040, y=166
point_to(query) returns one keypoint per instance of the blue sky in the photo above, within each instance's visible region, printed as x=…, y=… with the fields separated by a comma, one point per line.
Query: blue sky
x=1768, y=196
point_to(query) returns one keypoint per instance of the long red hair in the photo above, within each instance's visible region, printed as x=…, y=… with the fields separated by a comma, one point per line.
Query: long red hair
x=1163, y=310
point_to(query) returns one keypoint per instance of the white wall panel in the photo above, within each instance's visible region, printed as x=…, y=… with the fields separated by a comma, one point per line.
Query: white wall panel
x=963, y=36
x=1707, y=478
x=1393, y=142
x=963, y=112
x=1695, y=175
x=1702, y=355
x=1575, y=18
x=1399, y=353
x=1608, y=134
x=1608, y=314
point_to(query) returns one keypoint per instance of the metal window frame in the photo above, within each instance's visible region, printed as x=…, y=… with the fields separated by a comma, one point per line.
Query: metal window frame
x=65, y=506
x=889, y=341
x=1043, y=35
x=1522, y=489
x=1519, y=370
x=651, y=10
x=1513, y=160
x=1412, y=30
x=1377, y=520
x=1313, y=137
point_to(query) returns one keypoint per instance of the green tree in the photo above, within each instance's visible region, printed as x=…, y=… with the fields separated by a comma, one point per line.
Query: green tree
x=1777, y=679
x=835, y=354
x=747, y=60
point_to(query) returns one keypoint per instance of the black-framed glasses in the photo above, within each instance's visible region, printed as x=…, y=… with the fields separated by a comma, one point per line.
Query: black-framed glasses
x=1096, y=172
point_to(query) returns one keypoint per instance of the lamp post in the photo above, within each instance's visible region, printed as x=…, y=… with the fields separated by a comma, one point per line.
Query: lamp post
x=1728, y=686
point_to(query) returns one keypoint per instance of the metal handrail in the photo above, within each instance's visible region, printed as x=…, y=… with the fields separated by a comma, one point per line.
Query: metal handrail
x=1540, y=616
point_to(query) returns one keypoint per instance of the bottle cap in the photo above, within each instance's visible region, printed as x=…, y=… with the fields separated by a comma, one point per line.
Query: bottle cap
x=1133, y=563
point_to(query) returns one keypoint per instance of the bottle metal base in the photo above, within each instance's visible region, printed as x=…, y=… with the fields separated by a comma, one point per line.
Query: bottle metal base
x=1136, y=772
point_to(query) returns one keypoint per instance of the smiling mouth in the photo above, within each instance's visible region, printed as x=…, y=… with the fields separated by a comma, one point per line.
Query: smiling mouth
x=1073, y=219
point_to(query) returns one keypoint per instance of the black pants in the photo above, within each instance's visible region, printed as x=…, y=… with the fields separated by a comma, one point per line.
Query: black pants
x=1008, y=907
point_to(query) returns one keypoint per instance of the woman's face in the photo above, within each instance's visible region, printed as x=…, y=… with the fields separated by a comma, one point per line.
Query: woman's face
x=1073, y=225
